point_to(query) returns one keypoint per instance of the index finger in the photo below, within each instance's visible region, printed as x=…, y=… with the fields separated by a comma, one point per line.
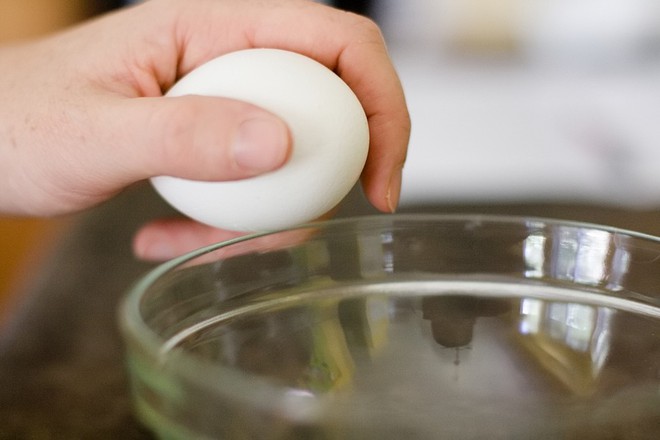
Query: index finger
x=349, y=44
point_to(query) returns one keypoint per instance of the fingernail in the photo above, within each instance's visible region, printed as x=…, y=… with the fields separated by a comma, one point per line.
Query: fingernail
x=261, y=144
x=394, y=190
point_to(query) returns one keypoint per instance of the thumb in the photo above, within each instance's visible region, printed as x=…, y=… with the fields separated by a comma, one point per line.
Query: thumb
x=202, y=138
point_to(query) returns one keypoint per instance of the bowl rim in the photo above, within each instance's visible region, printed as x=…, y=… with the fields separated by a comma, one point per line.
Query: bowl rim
x=264, y=393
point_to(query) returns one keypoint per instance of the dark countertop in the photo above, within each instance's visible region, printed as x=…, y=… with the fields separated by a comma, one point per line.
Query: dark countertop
x=61, y=359
x=61, y=370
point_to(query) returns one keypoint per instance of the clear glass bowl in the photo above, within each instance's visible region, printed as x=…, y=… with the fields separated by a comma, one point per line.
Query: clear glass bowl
x=403, y=327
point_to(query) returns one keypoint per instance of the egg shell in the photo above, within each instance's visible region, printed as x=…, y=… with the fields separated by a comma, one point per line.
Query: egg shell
x=330, y=142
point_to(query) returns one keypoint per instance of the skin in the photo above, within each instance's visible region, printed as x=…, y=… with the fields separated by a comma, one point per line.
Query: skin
x=83, y=114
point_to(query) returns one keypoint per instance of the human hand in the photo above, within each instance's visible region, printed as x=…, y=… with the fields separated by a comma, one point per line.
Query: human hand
x=83, y=115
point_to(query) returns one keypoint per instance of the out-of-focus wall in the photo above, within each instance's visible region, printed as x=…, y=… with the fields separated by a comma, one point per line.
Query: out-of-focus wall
x=24, y=241
x=28, y=18
x=529, y=100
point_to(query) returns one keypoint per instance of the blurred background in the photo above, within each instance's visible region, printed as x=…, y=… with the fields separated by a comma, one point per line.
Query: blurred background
x=529, y=100
x=511, y=101
x=24, y=242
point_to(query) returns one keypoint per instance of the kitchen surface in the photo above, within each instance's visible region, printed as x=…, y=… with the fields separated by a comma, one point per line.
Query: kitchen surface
x=61, y=357
x=506, y=120
x=61, y=366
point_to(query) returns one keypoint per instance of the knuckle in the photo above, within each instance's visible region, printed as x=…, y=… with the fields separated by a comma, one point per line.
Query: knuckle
x=366, y=27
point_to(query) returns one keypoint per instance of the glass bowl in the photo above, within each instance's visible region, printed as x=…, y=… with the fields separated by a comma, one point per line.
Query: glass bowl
x=411, y=326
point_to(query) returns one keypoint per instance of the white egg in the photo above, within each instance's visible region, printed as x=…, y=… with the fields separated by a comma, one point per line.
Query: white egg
x=330, y=142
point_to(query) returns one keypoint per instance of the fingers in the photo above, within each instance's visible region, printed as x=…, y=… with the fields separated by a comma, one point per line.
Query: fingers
x=199, y=138
x=347, y=43
x=117, y=126
x=382, y=97
x=358, y=54
x=165, y=239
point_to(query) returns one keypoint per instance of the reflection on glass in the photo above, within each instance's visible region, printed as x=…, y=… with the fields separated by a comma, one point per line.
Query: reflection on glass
x=589, y=257
x=331, y=366
x=453, y=317
x=534, y=255
x=375, y=253
x=322, y=346
x=571, y=341
x=527, y=357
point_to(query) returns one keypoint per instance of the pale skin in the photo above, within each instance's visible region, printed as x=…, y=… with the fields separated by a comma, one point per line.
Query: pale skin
x=83, y=116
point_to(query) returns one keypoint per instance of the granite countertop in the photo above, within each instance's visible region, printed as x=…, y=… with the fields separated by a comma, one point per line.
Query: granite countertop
x=61, y=357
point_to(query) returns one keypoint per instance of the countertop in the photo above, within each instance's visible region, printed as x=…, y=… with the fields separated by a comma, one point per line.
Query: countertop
x=61, y=356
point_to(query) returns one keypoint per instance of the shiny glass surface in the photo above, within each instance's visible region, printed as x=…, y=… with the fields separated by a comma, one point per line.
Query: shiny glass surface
x=403, y=327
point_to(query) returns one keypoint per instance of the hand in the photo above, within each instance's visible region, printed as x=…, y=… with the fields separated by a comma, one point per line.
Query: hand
x=82, y=114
